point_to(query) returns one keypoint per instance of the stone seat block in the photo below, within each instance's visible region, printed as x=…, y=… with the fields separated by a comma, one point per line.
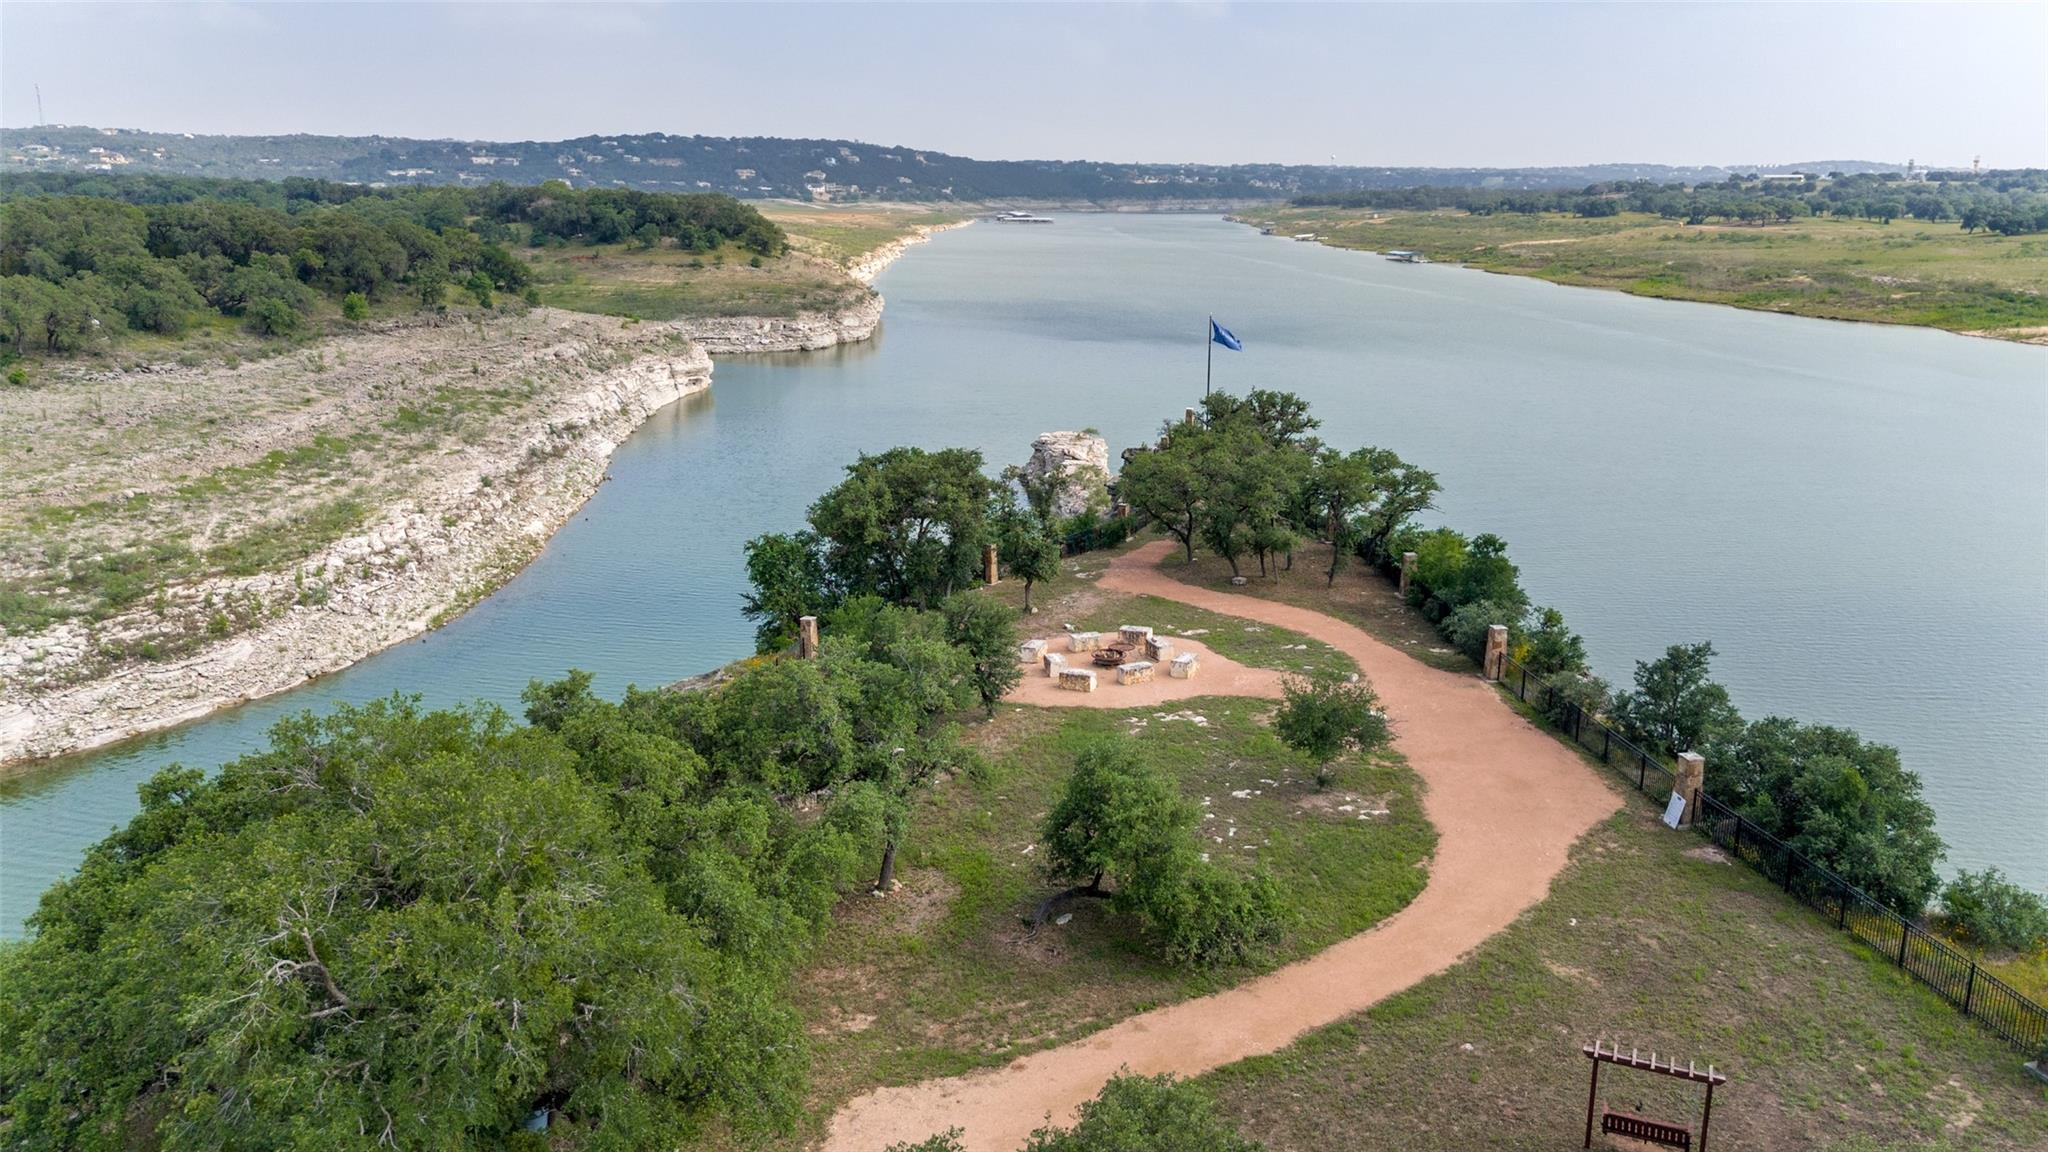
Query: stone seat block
x=1134, y=634
x=1083, y=641
x=1136, y=672
x=1184, y=666
x=1029, y=651
x=1158, y=649
x=1055, y=663
x=1077, y=680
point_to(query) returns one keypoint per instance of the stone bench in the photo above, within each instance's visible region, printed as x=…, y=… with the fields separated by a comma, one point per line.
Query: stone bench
x=1136, y=672
x=1083, y=641
x=1077, y=680
x=1184, y=666
x=1158, y=649
x=1054, y=664
x=1134, y=634
x=1029, y=651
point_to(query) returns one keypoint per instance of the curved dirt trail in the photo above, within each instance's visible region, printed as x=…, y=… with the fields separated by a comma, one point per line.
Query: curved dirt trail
x=1507, y=801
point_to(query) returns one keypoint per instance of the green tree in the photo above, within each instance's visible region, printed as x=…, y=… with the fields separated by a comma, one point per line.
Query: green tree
x=1846, y=804
x=355, y=307
x=986, y=630
x=1323, y=714
x=1027, y=549
x=1676, y=705
x=1120, y=818
x=1401, y=491
x=1170, y=484
x=1549, y=647
x=907, y=525
x=789, y=581
x=1116, y=808
x=417, y=928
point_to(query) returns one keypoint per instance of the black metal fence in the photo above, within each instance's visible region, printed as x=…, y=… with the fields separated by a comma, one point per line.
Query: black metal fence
x=1955, y=976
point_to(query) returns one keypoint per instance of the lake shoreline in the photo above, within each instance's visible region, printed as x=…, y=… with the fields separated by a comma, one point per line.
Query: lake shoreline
x=476, y=528
x=2036, y=336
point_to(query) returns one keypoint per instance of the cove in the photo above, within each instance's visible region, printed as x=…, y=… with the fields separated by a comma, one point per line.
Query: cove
x=1857, y=516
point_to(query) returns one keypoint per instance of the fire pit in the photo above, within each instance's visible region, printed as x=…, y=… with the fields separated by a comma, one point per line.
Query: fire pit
x=1112, y=655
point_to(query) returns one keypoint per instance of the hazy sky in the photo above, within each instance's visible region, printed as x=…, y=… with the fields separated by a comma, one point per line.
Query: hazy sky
x=1425, y=84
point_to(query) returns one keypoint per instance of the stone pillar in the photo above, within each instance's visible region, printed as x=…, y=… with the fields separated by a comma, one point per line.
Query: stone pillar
x=988, y=564
x=1120, y=510
x=807, y=637
x=1189, y=418
x=1496, y=661
x=1407, y=570
x=1691, y=778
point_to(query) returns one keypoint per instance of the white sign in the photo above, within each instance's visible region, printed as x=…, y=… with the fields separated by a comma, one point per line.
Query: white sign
x=1675, y=810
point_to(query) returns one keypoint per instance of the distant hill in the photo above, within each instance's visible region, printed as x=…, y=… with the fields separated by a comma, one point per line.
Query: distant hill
x=761, y=167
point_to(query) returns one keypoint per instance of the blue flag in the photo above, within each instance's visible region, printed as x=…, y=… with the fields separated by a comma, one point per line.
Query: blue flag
x=1224, y=336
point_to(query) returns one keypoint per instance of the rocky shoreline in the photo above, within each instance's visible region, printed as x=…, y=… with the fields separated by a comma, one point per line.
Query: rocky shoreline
x=454, y=542
x=870, y=266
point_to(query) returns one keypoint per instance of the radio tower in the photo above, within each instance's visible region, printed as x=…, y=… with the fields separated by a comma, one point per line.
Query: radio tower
x=39, y=105
x=1977, y=166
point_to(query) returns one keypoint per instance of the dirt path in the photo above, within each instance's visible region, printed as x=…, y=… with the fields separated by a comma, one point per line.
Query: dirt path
x=1507, y=802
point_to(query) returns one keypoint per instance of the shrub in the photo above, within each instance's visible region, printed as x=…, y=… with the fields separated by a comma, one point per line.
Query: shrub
x=1988, y=910
x=355, y=307
x=1202, y=915
x=1566, y=690
x=1143, y=1114
x=1466, y=626
x=1323, y=713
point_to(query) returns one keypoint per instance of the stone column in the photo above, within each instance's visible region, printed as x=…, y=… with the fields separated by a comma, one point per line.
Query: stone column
x=1692, y=776
x=988, y=564
x=807, y=637
x=1496, y=661
x=1189, y=418
x=1407, y=570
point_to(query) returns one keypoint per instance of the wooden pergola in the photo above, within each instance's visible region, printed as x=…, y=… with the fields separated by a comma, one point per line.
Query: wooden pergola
x=1642, y=1127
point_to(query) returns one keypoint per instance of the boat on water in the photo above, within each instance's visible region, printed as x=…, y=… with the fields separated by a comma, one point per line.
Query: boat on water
x=1305, y=237
x=1404, y=256
x=1016, y=217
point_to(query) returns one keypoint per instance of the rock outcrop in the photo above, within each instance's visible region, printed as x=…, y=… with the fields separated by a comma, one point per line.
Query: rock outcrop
x=803, y=332
x=1081, y=462
x=423, y=561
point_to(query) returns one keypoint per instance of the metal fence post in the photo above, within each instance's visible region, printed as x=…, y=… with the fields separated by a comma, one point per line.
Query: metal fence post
x=1970, y=989
x=1905, y=935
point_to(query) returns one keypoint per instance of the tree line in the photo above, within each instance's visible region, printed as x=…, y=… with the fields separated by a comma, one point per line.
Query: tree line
x=2009, y=203
x=85, y=258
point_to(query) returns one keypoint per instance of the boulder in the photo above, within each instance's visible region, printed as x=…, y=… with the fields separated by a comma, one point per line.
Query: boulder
x=1081, y=461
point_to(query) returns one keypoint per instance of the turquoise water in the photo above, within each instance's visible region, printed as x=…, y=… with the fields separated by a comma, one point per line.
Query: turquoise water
x=1857, y=516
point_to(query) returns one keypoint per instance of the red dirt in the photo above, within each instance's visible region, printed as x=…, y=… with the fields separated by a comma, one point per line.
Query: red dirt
x=1507, y=802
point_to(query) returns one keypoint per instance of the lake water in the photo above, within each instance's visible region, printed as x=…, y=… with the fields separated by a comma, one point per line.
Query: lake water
x=1857, y=516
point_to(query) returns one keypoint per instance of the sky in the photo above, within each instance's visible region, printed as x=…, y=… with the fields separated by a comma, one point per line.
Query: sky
x=1448, y=84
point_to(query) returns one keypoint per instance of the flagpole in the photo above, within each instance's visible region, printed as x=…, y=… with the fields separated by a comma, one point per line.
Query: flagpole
x=1210, y=372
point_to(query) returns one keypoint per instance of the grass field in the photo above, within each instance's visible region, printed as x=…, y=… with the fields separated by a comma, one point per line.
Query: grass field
x=1649, y=940
x=1906, y=272
x=668, y=283
x=671, y=284
x=844, y=233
